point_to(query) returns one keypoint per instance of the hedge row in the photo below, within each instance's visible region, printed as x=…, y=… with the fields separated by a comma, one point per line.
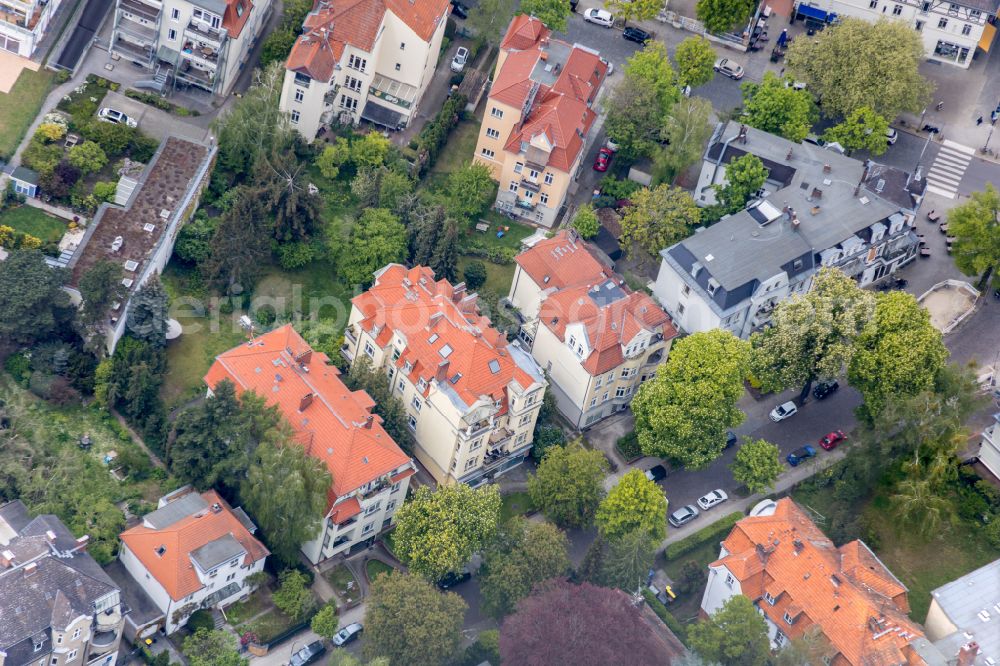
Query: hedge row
x=715, y=531
x=665, y=615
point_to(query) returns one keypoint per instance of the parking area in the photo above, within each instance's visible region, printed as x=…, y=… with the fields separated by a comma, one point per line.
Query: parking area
x=155, y=122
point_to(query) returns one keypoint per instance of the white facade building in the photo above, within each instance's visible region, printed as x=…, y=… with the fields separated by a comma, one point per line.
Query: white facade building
x=23, y=24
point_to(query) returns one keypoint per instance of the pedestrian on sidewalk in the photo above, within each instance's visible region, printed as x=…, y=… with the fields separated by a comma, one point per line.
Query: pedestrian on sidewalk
x=993, y=118
x=979, y=120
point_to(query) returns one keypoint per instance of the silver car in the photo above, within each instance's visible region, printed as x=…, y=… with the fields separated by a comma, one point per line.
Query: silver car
x=461, y=57
x=729, y=68
x=714, y=498
x=783, y=411
x=109, y=115
x=347, y=634
x=683, y=516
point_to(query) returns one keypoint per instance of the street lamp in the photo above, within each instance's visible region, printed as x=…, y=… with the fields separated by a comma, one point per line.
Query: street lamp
x=986, y=146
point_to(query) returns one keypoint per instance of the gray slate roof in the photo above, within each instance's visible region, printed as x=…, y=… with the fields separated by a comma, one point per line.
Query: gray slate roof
x=217, y=552
x=963, y=600
x=176, y=510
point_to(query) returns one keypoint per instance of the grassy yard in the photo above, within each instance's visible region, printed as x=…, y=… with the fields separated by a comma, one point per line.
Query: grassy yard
x=269, y=625
x=34, y=222
x=498, y=276
x=515, y=504
x=376, y=568
x=460, y=148
x=20, y=106
x=685, y=609
x=343, y=583
x=242, y=611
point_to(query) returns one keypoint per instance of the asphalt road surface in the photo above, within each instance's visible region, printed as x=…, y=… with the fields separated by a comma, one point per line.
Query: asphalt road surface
x=83, y=34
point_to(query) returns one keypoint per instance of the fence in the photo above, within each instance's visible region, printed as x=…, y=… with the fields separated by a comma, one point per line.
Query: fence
x=698, y=28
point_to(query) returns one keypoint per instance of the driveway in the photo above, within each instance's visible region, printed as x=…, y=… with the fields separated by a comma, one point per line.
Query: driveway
x=155, y=122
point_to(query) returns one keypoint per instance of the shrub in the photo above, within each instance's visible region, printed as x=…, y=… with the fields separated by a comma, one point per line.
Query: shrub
x=41, y=156
x=546, y=437
x=295, y=255
x=715, y=531
x=105, y=191
x=628, y=446
x=51, y=131
x=618, y=189
x=435, y=133
x=111, y=137
x=19, y=367
x=201, y=619
x=142, y=147
x=474, y=274
x=88, y=157
x=665, y=615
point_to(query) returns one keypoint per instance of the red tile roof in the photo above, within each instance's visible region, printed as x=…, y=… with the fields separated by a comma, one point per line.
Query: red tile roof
x=334, y=24
x=524, y=32
x=236, y=16
x=173, y=568
x=333, y=423
x=857, y=602
x=564, y=267
x=345, y=510
x=435, y=316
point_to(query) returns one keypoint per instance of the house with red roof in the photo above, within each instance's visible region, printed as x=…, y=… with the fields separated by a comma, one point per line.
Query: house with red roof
x=539, y=117
x=362, y=60
x=202, y=44
x=370, y=472
x=801, y=582
x=471, y=397
x=194, y=551
x=596, y=339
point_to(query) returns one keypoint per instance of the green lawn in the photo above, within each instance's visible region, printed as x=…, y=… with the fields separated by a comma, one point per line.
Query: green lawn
x=460, y=148
x=343, y=583
x=515, y=504
x=242, y=611
x=514, y=232
x=34, y=222
x=269, y=625
x=498, y=276
x=377, y=568
x=19, y=107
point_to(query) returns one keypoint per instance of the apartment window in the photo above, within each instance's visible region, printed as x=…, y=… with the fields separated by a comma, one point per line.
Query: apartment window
x=369, y=350
x=171, y=34
x=373, y=508
x=529, y=195
x=730, y=580
x=966, y=29
x=572, y=341
x=943, y=23
x=975, y=13
x=421, y=384
x=402, y=46
x=476, y=444
x=518, y=167
x=470, y=463
x=620, y=392
x=543, y=198
x=354, y=62
x=401, y=386
x=492, y=133
x=604, y=398
x=59, y=639
x=873, y=4
x=395, y=487
x=897, y=10
x=827, y=659
x=416, y=404
x=352, y=83
x=71, y=655
x=610, y=378
x=548, y=178
x=412, y=422
x=496, y=113
x=368, y=528
x=348, y=103
x=295, y=117
x=779, y=639
x=600, y=380
x=230, y=577
x=768, y=598
x=789, y=619
x=680, y=309
x=593, y=401
x=488, y=154
x=390, y=505
x=520, y=438
x=532, y=174
x=299, y=95
x=525, y=419
x=513, y=187
x=918, y=26
x=397, y=66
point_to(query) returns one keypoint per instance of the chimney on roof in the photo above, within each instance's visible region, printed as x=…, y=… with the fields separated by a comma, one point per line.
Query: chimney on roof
x=50, y=536
x=468, y=303
x=798, y=545
x=826, y=168
x=30, y=569
x=967, y=653
x=442, y=370
x=6, y=559
x=304, y=357
x=305, y=401
x=458, y=293
x=82, y=542
x=368, y=421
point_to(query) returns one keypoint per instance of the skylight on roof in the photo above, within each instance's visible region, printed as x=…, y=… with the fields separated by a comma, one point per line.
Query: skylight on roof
x=454, y=380
x=446, y=351
x=494, y=366
x=433, y=339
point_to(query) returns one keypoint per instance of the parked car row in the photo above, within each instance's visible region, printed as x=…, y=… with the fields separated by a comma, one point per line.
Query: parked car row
x=687, y=513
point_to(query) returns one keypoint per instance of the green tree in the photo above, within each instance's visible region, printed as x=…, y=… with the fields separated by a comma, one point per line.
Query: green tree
x=194, y=242
x=370, y=151
x=553, y=13
x=812, y=335
x=651, y=68
x=629, y=559
x=695, y=61
x=88, y=157
x=475, y=274
x=207, y=647
x=488, y=19
x=863, y=129
x=523, y=554
x=437, y=532
x=922, y=499
x=686, y=132
x=333, y=157
x=426, y=224
x=889, y=82
x=148, y=313
x=634, y=504
x=277, y=46
x=638, y=109
x=683, y=412
x=775, y=106
x=569, y=484
x=585, y=221
x=634, y=10
x=724, y=15
x=444, y=261
x=325, y=622
x=105, y=191
x=975, y=225
x=658, y=218
x=468, y=191
x=293, y=596
x=757, y=465
x=282, y=187
x=255, y=126
x=899, y=353
x=32, y=303
x=744, y=177
x=100, y=286
x=240, y=246
x=286, y=492
x=408, y=621
x=387, y=403
x=378, y=239
x=735, y=635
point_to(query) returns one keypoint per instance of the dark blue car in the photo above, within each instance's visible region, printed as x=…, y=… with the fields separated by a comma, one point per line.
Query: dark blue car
x=798, y=455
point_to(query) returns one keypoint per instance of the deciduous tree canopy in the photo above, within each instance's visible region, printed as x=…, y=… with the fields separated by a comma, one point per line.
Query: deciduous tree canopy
x=33, y=305
x=975, y=225
x=568, y=486
x=863, y=129
x=775, y=106
x=735, y=635
x=634, y=504
x=658, y=218
x=552, y=13
x=695, y=60
x=525, y=553
x=757, y=465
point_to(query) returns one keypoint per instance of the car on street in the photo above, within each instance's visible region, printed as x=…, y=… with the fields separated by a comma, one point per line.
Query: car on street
x=729, y=67
x=347, y=634
x=824, y=390
x=783, y=411
x=599, y=17
x=603, y=159
x=451, y=579
x=656, y=473
x=714, y=498
x=461, y=57
x=830, y=440
x=683, y=516
x=637, y=35
x=458, y=9
x=109, y=115
x=730, y=439
x=800, y=454
x=308, y=655
x=891, y=136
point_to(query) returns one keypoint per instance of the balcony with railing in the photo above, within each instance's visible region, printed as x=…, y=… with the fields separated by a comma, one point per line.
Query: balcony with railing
x=392, y=91
x=202, y=32
x=204, y=55
x=349, y=335
x=103, y=640
x=476, y=429
x=14, y=17
x=133, y=51
x=146, y=10
x=144, y=34
x=499, y=437
x=346, y=352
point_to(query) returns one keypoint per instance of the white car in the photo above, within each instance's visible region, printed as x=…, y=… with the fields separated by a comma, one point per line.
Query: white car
x=783, y=411
x=347, y=634
x=599, y=16
x=461, y=57
x=109, y=115
x=714, y=498
x=729, y=68
x=890, y=136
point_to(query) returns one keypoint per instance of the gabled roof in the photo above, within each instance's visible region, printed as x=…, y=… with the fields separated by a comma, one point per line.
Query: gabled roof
x=524, y=32
x=561, y=261
x=335, y=426
x=854, y=599
x=445, y=335
x=236, y=16
x=564, y=120
x=335, y=24
x=170, y=550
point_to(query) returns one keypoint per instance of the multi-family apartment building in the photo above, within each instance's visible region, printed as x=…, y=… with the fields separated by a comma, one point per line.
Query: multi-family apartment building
x=596, y=339
x=801, y=582
x=194, y=551
x=369, y=60
x=538, y=120
x=57, y=606
x=817, y=208
x=335, y=425
x=963, y=617
x=989, y=447
x=471, y=397
x=202, y=44
x=952, y=32
x=23, y=24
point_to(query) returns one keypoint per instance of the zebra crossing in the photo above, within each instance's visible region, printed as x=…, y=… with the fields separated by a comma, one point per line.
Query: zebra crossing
x=948, y=167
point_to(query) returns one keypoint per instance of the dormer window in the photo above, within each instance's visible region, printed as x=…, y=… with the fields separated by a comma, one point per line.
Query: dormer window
x=712, y=286
x=789, y=619
x=407, y=367
x=768, y=598
x=421, y=384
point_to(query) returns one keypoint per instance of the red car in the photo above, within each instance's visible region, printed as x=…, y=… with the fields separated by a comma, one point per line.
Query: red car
x=832, y=439
x=603, y=159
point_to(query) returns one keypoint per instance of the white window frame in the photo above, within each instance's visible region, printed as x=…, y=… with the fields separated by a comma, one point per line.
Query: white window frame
x=492, y=133
x=300, y=95
x=369, y=348
x=496, y=113
x=488, y=154
x=548, y=178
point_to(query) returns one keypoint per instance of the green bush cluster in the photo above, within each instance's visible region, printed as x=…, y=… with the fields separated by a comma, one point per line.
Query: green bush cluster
x=435, y=133
x=715, y=531
x=497, y=255
x=628, y=446
x=160, y=103
x=665, y=615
